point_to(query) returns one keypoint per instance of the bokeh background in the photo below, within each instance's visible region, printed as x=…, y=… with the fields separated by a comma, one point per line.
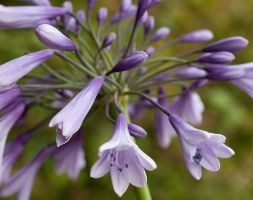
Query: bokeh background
x=228, y=111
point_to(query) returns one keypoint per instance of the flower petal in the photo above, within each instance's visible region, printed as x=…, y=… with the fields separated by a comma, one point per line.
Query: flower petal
x=101, y=167
x=119, y=182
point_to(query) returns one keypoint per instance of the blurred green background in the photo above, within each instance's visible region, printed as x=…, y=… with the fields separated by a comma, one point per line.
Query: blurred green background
x=228, y=111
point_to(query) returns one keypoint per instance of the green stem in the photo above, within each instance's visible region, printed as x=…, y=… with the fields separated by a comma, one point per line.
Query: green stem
x=142, y=193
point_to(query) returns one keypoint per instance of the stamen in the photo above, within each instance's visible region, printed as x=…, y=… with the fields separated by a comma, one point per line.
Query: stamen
x=197, y=157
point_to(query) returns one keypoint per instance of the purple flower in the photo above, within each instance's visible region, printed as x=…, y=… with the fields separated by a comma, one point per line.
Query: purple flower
x=13, y=70
x=39, y=2
x=142, y=8
x=200, y=148
x=136, y=131
x=7, y=121
x=221, y=57
x=160, y=34
x=21, y=183
x=191, y=72
x=123, y=159
x=91, y=4
x=53, y=38
x=149, y=24
x=126, y=10
x=11, y=153
x=154, y=3
x=102, y=15
x=70, y=157
x=28, y=16
x=150, y=51
x=70, y=118
x=189, y=106
x=131, y=61
x=8, y=96
x=163, y=130
x=111, y=37
x=231, y=44
x=197, y=36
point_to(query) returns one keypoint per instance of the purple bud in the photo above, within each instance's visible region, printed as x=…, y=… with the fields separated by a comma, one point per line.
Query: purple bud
x=53, y=38
x=150, y=51
x=142, y=8
x=160, y=34
x=125, y=4
x=231, y=44
x=222, y=57
x=197, y=36
x=136, y=131
x=191, y=72
x=102, y=15
x=224, y=73
x=81, y=17
x=124, y=14
x=154, y=3
x=109, y=40
x=133, y=60
x=143, y=18
x=91, y=4
x=149, y=24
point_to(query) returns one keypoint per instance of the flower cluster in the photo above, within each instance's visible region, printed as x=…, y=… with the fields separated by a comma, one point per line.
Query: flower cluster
x=108, y=66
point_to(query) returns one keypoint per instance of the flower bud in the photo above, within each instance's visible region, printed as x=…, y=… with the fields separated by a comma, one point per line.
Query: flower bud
x=91, y=4
x=136, y=131
x=102, y=15
x=222, y=57
x=142, y=8
x=143, y=18
x=191, y=72
x=125, y=4
x=224, y=73
x=160, y=34
x=197, y=36
x=231, y=44
x=109, y=40
x=53, y=38
x=149, y=24
x=133, y=60
x=150, y=51
x=154, y=3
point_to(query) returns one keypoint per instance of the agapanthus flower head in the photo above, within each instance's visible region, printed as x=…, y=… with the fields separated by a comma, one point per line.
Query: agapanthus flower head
x=28, y=16
x=160, y=34
x=231, y=44
x=70, y=118
x=53, y=38
x=200, y=148
x=123, y=159
x=102, y=15
x=22, y=181
x=13, y=70
x=202, y=35
x=131, y=61
x=70, y=157
x=221, y=57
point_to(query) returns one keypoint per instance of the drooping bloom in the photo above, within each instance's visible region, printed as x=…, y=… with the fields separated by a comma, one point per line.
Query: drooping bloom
x=131, y=61
x=221, y=57
x=160, y=34
x=202, y=35
x=231, y=44
x=21, y=182
x=123, y=159
x=102, y=15
x=13, y=70
x=11, y=116
x=189, y=106
x=70, y=118
x=200, y=148
x=7, y=96
x=53, y=38
x=28, y=16
x=70, y=157
x=164, y=132
x=11, y=153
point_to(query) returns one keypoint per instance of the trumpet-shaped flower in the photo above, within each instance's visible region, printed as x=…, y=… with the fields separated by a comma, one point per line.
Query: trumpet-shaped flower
x=200, y=148
x=70, y=118
x=70, y=157
x=13, y=70
x=123, y=159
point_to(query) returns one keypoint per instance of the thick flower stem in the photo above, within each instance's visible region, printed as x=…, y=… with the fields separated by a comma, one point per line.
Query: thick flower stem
x=142, y=193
